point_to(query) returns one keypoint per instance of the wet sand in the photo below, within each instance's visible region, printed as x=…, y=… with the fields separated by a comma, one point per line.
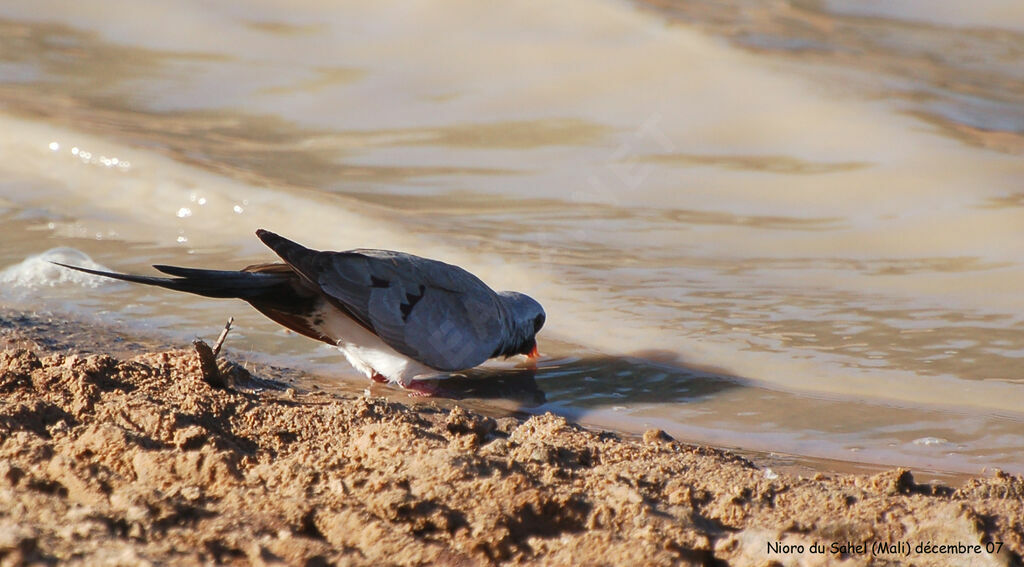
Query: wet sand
x=147, y=457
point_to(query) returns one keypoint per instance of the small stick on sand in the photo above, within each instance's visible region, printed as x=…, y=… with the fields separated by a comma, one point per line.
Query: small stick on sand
x=223, y=335
x=208, y=358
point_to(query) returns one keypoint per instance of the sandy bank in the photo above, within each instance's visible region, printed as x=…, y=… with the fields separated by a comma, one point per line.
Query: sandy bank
x=140, y=459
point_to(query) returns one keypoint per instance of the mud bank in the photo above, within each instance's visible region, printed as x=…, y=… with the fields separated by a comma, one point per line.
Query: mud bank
x=146, y=459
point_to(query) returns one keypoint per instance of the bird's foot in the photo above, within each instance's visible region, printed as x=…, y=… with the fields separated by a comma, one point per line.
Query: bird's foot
x=378, y=377
x=422, y=388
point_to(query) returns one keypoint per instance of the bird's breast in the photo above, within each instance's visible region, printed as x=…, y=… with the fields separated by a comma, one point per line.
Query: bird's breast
x=364, y=350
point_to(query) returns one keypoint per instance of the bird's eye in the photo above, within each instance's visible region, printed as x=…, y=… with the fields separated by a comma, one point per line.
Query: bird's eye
x=538, y=322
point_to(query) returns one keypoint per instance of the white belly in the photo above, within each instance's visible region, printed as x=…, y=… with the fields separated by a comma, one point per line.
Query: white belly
x=366, y=351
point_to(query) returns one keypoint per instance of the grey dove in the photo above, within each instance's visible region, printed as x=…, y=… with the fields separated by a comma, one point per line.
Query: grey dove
x=395, y=316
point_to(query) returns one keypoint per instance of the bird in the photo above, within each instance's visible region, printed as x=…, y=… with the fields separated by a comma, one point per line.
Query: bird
x=396, y=317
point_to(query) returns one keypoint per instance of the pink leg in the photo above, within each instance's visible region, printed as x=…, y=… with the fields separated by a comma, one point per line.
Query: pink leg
x=423, y=388
x=378, y=378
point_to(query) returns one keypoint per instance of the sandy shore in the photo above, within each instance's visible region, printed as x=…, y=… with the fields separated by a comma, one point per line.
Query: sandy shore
x=150, y=459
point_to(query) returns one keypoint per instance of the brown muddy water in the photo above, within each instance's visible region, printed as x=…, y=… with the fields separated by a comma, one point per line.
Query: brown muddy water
x=795, y=228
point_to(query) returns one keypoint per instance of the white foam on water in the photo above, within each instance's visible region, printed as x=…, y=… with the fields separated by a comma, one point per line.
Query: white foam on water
x=39, y=270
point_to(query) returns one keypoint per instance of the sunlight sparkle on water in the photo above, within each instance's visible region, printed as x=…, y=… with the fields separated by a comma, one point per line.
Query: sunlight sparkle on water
x=87, y=157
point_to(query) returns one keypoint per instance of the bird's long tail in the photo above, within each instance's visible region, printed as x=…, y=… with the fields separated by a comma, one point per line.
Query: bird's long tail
x=247, y=285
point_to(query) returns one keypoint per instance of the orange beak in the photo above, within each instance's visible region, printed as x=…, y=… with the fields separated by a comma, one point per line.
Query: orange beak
x=531, y=358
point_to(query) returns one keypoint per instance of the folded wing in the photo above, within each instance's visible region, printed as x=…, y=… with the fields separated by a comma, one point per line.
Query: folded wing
x=435, y=313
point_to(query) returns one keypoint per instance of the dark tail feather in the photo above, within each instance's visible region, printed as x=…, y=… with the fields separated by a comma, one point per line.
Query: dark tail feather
x=289, y=251
x=208, y=283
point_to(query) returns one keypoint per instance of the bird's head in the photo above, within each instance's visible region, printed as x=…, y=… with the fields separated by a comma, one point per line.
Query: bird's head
x=526, y=318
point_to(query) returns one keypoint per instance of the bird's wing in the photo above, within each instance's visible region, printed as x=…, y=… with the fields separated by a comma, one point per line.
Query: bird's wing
x=435, y=313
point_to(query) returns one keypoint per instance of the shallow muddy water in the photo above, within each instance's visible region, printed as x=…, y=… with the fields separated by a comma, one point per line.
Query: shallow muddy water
x=794, y=228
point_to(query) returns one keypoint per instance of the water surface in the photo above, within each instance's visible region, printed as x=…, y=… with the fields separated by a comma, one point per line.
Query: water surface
x=793, y=228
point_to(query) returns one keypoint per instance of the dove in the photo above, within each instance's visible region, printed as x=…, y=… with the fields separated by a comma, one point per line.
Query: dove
x=396, y=317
